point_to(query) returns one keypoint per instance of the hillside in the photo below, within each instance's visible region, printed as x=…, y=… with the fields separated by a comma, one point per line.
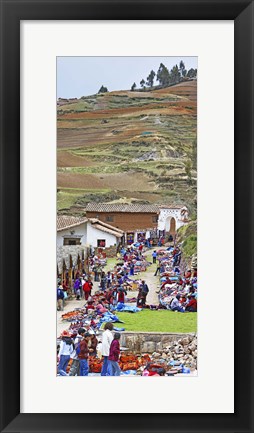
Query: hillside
x=127, y=146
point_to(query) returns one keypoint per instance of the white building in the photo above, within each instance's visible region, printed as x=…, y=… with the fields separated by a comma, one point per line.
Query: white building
x=87, y=232
x=171, y=218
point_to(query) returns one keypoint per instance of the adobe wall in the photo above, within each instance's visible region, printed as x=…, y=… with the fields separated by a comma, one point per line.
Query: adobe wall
x=126, y=221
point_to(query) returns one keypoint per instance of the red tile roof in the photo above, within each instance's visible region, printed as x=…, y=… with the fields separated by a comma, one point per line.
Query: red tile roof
x=66, y=222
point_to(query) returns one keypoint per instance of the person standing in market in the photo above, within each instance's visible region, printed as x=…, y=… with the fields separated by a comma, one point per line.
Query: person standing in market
x=114, y=352
x=74, y=370
x=121, y=293
x=93, y=344
x=83, y=353
x=131, y=269
x=59, y=297
x=66, y=348
x=76, y=288
x=107, y=338
x=154, y=254
x=103, y=281
x=144, y=291
x=87, y=288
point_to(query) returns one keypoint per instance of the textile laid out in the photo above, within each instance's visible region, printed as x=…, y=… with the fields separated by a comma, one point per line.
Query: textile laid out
x=81, y=351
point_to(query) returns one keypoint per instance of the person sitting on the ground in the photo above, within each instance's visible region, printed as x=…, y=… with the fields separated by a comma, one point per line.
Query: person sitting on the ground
x=191, y=307
x=176, y=305
x=167, y=281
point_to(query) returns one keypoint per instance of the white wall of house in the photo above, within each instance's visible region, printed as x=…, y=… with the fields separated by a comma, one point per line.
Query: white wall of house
x=93, y=234
x=166, y=215
x=80, y=230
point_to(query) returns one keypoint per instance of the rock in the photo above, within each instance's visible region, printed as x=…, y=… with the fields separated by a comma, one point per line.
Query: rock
x=159, y=346
x=184, y=341
x=148, y=346
x=192, y=347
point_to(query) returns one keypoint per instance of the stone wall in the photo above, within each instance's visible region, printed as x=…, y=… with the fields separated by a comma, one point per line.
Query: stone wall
x=64, y=252
x=149, y=342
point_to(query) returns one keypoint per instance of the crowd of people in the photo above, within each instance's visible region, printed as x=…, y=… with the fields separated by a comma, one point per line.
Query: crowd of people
x=178, y=290
x=84, y=344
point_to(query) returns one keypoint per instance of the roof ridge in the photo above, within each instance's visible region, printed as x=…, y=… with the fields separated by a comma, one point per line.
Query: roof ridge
x=97, y=221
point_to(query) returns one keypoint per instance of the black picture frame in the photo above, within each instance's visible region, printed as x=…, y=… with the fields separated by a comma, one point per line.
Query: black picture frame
x=12, y=12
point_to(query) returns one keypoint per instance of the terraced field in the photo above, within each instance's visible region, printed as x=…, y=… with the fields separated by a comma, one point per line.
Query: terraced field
x=127, y=147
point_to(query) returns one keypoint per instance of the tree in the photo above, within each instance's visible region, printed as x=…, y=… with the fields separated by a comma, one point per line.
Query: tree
x=103, y=89
x=192, y=73
x=150, y=78
x=182, y=69
x=142, y=83
x=133, y=87
x=163, y=75
x=188, y=167
x=175, y=74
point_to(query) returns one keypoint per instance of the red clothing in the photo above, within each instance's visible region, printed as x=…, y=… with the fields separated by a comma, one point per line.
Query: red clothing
x=83, y=350
x=87, y=287
x=114, y=351
x=120, y=297
x=168, y=281
x=192, y=303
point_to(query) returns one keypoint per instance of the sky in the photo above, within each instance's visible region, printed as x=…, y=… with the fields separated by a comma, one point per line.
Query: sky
x=83, y=76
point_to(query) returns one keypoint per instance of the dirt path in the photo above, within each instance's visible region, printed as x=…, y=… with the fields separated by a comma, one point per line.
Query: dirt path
x=150, y=279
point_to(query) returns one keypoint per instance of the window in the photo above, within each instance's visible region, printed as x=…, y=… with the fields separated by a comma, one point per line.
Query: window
x=101, y=243
x=109, y=218
x=71, y=241
x=155, y=219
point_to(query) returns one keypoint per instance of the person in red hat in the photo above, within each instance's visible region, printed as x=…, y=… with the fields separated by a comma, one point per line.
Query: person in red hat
x=66, y=348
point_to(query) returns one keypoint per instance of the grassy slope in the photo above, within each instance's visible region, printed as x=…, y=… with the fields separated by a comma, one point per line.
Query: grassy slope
x=188, y=235
x=108, y=130
x=159, y=321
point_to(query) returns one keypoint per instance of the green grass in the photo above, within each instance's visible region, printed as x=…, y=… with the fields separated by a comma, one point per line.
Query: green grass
x=159, y=321
x=67, y=197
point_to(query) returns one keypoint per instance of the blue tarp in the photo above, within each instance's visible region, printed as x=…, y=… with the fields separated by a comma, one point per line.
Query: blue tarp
x=128, y=308
x=108, y=317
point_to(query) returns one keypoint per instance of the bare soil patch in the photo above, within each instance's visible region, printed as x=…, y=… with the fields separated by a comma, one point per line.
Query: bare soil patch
x=118, y=181
x=67, y=159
